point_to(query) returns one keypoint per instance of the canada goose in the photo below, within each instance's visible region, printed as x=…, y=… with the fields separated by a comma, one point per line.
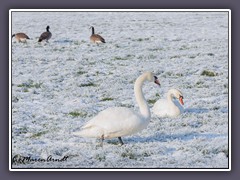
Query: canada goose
x=46, y=35
x=21, y=37
x=96, y=38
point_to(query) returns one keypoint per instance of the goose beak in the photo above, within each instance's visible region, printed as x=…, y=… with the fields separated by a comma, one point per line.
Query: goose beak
x=181, y=100
x=157, y=82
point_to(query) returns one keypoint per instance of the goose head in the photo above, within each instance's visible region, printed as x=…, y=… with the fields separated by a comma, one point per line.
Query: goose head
x=177, y=94
x=48, y=27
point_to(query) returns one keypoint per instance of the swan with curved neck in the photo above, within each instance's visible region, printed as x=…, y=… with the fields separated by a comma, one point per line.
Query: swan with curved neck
x=120, y=121
x=168, y=107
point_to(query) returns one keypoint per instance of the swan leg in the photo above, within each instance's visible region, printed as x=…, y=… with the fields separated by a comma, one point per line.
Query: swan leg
x=120, y=140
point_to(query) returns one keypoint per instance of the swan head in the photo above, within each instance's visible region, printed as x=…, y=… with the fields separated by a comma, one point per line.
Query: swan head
x=152, y=78
x=177, y=94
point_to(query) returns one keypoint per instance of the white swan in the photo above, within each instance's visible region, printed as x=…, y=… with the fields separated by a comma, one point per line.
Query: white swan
x=168, y=107
x=120, y=121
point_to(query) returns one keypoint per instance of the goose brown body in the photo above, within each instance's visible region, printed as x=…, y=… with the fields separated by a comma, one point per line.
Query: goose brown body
x=20, y=37
x=45, y=35
x=96, y=38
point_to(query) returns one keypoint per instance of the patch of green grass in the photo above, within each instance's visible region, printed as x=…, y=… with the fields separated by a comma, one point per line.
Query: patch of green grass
x=127, y=105
x=192, y=56
x=129, y=56
x=76, y=43
x=141, y=39
x=169, y=73
x=210, y=54
x=146, y=154
x=155, y=49
x=175, y=57
x=118, y=58
x=179, y=74
x=59, y=49
x=70, y=59
x=30, y=84
x=107, y=99
x=199, y=83
x=208, y=73
x=100, y=157
x=80, y=72
x=22, y=130
x=88, y=84
x=216, y=108
x=123, y=58
x=92, y=63
x=183, y=124
x=25, y=90
x=37, y=135
x=184, y=47
x=151, y=56
x=15, y=99
x=151, y=101
x=129, y=155
x=113, y=142
x=78, y=114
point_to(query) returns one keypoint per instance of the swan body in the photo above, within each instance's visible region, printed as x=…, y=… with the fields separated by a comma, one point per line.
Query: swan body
x=113, y=122
x=120, y=121
x=169, y=107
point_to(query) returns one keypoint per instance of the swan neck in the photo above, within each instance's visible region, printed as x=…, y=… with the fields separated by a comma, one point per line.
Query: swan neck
x=170, y=96
x=143, y=106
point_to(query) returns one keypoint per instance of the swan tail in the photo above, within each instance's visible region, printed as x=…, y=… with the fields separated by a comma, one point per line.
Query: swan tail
x=91, y=132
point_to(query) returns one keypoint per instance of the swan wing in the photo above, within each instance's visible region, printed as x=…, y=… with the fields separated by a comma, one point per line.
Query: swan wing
x=113, y=122
x=164, y=108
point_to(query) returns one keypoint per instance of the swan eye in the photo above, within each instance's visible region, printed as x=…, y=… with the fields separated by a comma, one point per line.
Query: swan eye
x=180, y=97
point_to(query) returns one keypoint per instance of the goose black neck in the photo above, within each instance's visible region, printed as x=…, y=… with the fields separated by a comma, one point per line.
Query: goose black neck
x=47, y=29
x=92, y=30
x=13, y=35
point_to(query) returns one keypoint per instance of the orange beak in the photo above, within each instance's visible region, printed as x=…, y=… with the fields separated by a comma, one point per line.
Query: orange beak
x=181, y=100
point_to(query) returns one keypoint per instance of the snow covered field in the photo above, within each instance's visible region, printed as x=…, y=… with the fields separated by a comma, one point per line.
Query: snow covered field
x=60, y=85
